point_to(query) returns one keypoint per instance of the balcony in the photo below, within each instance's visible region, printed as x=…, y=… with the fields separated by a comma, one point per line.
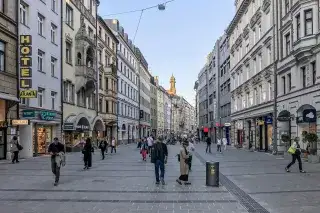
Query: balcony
x=84, y=11
x=111, y=69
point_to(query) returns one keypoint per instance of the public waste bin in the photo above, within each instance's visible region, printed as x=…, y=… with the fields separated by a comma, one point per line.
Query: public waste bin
x=212, y=174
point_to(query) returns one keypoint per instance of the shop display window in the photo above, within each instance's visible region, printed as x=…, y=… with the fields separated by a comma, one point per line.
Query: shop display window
x=44, y=138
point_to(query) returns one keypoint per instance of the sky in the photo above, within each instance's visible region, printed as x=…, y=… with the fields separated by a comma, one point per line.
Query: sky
x=175, y=41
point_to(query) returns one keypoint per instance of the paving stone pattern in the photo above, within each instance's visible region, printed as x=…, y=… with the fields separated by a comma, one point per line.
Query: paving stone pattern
x=119, y=184
x=262, y=176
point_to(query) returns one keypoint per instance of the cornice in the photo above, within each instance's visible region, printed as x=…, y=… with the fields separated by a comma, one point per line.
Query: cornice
x=236, y=18
x=266, y=6
x=255, y=18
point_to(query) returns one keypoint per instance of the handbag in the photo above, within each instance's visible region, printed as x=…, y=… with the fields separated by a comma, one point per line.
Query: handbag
x=292, y=150
x=19, y=146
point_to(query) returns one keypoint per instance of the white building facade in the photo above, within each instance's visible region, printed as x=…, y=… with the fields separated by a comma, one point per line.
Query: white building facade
x=298, y=72
x=251, y=68
x=128, y=95
x=160, y=110
x=80, y=72
x=42, y=22
x=168, y=123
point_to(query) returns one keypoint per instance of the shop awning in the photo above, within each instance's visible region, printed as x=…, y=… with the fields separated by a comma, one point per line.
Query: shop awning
x=78, y=122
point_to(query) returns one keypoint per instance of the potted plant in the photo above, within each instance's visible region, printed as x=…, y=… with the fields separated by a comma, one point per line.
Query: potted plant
x=311, y=139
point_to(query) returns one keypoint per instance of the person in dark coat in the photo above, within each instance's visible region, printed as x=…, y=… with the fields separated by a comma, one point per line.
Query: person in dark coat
x=87, y=154
x=103, y=146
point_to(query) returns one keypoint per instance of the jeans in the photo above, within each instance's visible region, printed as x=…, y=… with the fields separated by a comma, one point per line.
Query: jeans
x=55, y=169
x=113, y=148
x=208, y=148
x=15, y=157
x=294, y=158
x=102, y=153
x=159, y=165
x=218, y=148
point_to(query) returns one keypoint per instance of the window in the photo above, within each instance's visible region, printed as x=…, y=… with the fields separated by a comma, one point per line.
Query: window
x=2, y=56
x=256, y=96
x=113, y=46
x=24, y=101
x=284, y=84
x=53, y=66
x=90, y=5
x=100, y=81
x=107, y=106
x=107, y=83
x=23, y=12
x=210, y=99
x=304, y=77
x=259, y=32
x=288, y=44
x=40, y=97
x=289, y=81
x=260, y=62
x=1, y=5
x=298, y=22
x=53, y=100
x=69, y=15
x=100, y=32
x=100, y=104
x=99, y=56
x=53, y=33
x=106, y=61
x=54, y=5
x=68, y=53
x=40, y=61
x=254, y=66
x=308, y=22
x=40, y=24
x=314, y=72
x=287, y=6
x=269, y=90
x=269, y=55
x=254, y=35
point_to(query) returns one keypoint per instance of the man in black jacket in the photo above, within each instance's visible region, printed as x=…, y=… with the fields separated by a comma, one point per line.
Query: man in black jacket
x=208, y=145
x=159, y=158
x=54, y=149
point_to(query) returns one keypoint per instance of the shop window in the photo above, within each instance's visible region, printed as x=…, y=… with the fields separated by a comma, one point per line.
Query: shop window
x=44, y=138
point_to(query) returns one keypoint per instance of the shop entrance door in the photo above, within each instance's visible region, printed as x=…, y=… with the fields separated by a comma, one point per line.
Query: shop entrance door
x=3, y=146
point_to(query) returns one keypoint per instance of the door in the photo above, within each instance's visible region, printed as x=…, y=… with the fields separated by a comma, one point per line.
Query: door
x=3, y=146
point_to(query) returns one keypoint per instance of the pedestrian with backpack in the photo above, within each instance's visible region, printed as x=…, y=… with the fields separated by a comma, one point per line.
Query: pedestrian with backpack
x=159, y=158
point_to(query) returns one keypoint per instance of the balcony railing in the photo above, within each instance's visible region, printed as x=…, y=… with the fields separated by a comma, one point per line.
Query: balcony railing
x=86, y=72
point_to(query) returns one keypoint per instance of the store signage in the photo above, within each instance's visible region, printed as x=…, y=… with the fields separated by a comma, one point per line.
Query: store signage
x=309, y=116
x=3, y=124
x=28, y=113
x=68, y=126
x=82, y=127
x=268, y=120
x=47, y=115
x=227, y=124
x=28, y=93
x=19, y=122
x=260, y=122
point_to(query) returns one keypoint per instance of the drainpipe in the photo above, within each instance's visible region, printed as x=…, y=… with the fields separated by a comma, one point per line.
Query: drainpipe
x=18, y=63
x=61, y=77
x=275, y=80
x=118, y=105
x=97, y=70
x=139, y=100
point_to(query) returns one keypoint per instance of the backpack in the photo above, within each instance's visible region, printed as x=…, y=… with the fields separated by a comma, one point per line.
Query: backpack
x=156, y=152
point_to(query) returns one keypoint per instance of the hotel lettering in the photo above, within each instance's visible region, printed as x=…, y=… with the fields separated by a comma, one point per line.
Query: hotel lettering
x=26, y=67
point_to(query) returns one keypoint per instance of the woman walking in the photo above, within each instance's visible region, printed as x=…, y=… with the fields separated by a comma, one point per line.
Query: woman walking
x=184, y=165
x=295, y=151
x=15, y=149
x=144, y=150
x=113, y=145
x=87, y=154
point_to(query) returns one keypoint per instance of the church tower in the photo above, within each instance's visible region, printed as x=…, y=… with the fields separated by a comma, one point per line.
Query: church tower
x=172, y=90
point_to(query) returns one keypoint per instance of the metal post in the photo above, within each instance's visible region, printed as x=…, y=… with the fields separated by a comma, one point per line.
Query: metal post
x=139, y=99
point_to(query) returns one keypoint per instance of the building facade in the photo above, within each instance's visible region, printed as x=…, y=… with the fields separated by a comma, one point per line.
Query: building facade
x=197, y=124
x=224, y=95
x=203, y=103
x=251, y=40
x=128, y=86
x=9, y=85
x=40, y=26
x=167, y=105
x=298, y=73
x=108, y=78
x=80, y=72
x=153, y=106
x=144, y=94
x=160, y=110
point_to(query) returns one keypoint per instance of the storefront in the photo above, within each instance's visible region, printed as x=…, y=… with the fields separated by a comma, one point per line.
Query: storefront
x=76, y=129
x=37, y=136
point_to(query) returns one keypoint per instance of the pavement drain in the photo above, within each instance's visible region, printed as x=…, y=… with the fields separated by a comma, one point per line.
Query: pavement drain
x=98, y=181
x=248, y=202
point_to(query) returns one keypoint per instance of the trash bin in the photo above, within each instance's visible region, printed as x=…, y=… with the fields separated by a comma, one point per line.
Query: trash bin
x=212, y=174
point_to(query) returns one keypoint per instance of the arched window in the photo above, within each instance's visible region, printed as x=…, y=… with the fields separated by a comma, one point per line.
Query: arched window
x=79, y=59
x=89, y=60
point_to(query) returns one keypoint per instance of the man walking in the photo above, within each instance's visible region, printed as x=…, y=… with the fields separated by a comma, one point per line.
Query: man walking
x=56, y=150
x=159, y=158
x=150, y=144
x=103, y=146
x=208, y=140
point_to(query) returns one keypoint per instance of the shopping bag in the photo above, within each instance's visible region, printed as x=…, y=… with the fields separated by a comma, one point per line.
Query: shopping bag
x=291, y=150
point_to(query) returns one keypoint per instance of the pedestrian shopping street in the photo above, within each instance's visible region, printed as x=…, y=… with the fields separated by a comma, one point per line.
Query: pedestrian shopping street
x=251, y=182
x=121, y=183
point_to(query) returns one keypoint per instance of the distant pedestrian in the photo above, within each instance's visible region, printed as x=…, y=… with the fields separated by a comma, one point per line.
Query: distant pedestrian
x=15, y=148
x=103, y=146
x=150, y=144
x=87, y=154
x=190, y=149
x=113, y=145
x=225, y=143
x=208, y=149
x=139, y=144
x=184, y=167
x=144, y=150
x=295, y=151
x=219, y=144
x=159, y=157
x=56, y=150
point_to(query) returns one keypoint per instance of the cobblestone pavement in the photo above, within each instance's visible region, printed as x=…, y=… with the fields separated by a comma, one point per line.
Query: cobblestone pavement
x=119, y=184
x=262, y=176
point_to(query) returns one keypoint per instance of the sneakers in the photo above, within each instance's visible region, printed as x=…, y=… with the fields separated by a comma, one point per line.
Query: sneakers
x=55, y=184
x=162, y=182
x=157, y=182
x=302, y=171
x=287, y=170
x=179, y=181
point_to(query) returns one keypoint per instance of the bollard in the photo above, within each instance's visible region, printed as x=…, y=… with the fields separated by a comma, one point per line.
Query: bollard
x=212, y=174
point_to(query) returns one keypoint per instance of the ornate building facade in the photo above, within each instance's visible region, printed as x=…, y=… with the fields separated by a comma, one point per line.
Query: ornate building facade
x=251, y=67
x=80, y=76
x=108, y=78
